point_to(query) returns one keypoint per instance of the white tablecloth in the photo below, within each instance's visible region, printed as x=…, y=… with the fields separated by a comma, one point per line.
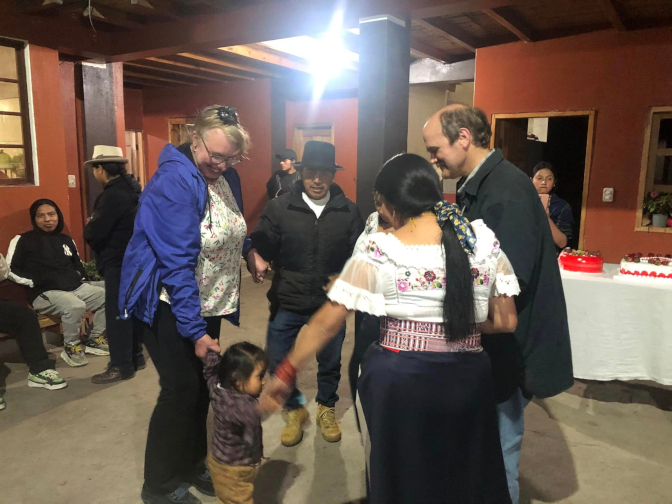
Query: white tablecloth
x=620, y=329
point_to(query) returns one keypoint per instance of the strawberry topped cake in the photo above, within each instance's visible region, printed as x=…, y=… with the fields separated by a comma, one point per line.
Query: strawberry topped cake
x=652, y=267
x=581, y=261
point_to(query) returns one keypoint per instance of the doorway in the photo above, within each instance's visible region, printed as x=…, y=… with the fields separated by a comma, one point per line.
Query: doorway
x=136, y=156
x=179, y=129
x=564, y=139
x=322, y=132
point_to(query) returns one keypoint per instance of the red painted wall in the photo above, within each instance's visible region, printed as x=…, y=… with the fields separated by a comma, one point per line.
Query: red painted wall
x=133, y=109
x=620, y=75
x=50, y=138
x=342, y=113
x=67, y=72
x=251, y=98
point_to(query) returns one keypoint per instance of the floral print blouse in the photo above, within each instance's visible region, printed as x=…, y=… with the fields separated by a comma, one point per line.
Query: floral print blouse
x=223, y=232
x=384, y=277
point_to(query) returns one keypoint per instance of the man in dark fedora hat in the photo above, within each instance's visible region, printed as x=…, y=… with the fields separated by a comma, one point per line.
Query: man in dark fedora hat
x=308, y=235
x=281, y=181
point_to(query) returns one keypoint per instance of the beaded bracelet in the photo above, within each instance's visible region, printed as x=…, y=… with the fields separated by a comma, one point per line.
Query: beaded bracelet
x=286, y=372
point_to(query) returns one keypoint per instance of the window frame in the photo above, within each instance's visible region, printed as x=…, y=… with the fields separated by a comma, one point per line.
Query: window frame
x=22, y=81
x=649, y=153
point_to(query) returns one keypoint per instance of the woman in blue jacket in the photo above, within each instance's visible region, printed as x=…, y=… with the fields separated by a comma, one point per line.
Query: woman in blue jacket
x=180, y=277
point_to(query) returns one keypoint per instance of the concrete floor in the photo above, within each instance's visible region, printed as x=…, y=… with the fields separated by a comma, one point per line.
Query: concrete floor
x=597, y=443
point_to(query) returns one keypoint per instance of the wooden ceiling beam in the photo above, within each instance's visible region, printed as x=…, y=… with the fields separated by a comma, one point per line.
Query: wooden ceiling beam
x=199, y=68
x=261, y=55
x=455, y=8
x=143, y=82
x=154, y=77
x=36, y=6
x=110, y=16
x=445, y=29
x=421, y=50
x=615, y=18
x=163, y=8
x=512, y=21
x=228, y=64
x=171, y=71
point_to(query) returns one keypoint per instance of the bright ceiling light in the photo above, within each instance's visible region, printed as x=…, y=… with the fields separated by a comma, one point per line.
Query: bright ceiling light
x=329, y=56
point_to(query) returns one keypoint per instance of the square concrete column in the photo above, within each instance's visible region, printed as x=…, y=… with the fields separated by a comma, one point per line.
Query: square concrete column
x=384, y=62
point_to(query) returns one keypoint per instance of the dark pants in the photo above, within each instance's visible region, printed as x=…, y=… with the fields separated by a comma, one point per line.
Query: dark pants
x=123, y=336
x=177, y=440
x=21, y=324
x=282, y=333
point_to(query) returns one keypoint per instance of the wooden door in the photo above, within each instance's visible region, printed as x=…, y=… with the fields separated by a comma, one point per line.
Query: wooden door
x=136, y=156
x=318, y=132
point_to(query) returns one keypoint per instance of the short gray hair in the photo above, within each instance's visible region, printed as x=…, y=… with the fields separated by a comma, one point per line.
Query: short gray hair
x=471, y=118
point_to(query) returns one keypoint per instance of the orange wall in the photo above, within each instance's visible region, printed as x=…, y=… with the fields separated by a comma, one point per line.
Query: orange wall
x=620, y=75
x=342, y=113
x=251, y=98
x=50, y=138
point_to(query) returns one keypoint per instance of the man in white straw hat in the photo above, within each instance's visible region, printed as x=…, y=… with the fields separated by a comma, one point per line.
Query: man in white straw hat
x=108, y=232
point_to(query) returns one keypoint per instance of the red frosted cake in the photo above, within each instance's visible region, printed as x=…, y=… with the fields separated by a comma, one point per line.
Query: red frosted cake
x=581, y=261
x=654, y=267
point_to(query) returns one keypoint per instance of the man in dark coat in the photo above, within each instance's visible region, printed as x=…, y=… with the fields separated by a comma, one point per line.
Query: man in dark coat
x=307, y=235
x=537, y=359
x=281, y=181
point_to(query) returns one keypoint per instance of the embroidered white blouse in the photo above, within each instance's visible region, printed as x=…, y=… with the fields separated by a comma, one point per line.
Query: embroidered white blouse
x=384, y=277
x=223, y=231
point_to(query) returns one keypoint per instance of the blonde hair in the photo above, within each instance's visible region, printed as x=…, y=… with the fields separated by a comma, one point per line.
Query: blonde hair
x=209, y=118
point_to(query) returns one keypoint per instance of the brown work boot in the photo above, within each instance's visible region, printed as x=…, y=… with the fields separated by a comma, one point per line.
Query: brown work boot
x=292, y=434
x=326, y=419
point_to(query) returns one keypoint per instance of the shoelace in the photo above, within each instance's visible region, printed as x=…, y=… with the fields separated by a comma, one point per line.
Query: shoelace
x=328, y=417
x=75, y=348
x=100, y=340
x=49, y=373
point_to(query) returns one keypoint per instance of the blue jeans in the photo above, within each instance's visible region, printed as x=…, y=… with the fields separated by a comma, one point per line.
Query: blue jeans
x=280, y=338
x=511, y=418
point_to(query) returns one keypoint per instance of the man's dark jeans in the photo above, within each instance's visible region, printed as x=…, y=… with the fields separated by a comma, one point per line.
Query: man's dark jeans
x=282, y=333
x=21, y=324
x=123, y=336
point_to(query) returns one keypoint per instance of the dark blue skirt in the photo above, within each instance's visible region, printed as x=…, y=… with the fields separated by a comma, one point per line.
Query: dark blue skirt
x=432, y=428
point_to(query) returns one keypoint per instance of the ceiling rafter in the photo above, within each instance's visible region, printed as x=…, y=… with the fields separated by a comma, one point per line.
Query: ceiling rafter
x=110, y=16
x=199, y=68
x=171, y=71
x=154, y=77
x=447, y=30
x=266, y=57
x=228, y=64
x=421, y=50
x=512, y=21
x=615, y=18
x=143, y=82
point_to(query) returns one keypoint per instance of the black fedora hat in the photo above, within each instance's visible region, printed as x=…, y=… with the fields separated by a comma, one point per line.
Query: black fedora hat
x=319, y=156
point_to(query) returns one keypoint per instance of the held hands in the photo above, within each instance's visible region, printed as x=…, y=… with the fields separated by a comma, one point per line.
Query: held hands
x=274, y=396
x=257, y=266
x=330, y=283
x=205, y=343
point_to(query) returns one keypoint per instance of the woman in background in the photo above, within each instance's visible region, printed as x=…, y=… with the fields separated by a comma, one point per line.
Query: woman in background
x=558, y=210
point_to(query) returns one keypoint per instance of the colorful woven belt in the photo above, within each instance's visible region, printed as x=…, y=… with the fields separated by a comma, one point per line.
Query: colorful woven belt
x=410, y=335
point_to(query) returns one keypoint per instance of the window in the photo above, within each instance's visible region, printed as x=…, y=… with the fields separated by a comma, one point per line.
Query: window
x=16, y=166
x=656, y=172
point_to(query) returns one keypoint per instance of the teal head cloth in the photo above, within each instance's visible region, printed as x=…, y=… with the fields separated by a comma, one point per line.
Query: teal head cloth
x=446, y=211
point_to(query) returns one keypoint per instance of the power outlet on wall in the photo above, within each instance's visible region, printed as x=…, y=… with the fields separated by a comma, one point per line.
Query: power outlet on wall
x=72, y=181
x=608, y=194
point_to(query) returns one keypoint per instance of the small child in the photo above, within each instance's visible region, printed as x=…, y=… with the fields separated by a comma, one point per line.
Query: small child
x=235, y=382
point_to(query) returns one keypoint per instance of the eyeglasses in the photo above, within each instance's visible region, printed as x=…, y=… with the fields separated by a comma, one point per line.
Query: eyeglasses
x=218, y=159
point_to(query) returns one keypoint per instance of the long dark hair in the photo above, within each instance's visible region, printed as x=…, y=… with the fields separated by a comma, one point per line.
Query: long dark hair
x=410, y=184
x=238, y=363
x=119, y=170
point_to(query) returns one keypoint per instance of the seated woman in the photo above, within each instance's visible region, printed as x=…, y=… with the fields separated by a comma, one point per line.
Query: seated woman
x=437, y=282
x=558, y=210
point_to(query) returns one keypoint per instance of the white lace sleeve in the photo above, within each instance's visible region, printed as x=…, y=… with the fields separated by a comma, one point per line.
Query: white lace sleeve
x=506, y=283
x=356, y=287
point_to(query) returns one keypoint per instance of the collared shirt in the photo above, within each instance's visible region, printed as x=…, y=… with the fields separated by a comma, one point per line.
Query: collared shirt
x=461, y=188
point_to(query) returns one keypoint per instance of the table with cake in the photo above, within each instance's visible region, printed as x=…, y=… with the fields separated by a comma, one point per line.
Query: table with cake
x=620, y=315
